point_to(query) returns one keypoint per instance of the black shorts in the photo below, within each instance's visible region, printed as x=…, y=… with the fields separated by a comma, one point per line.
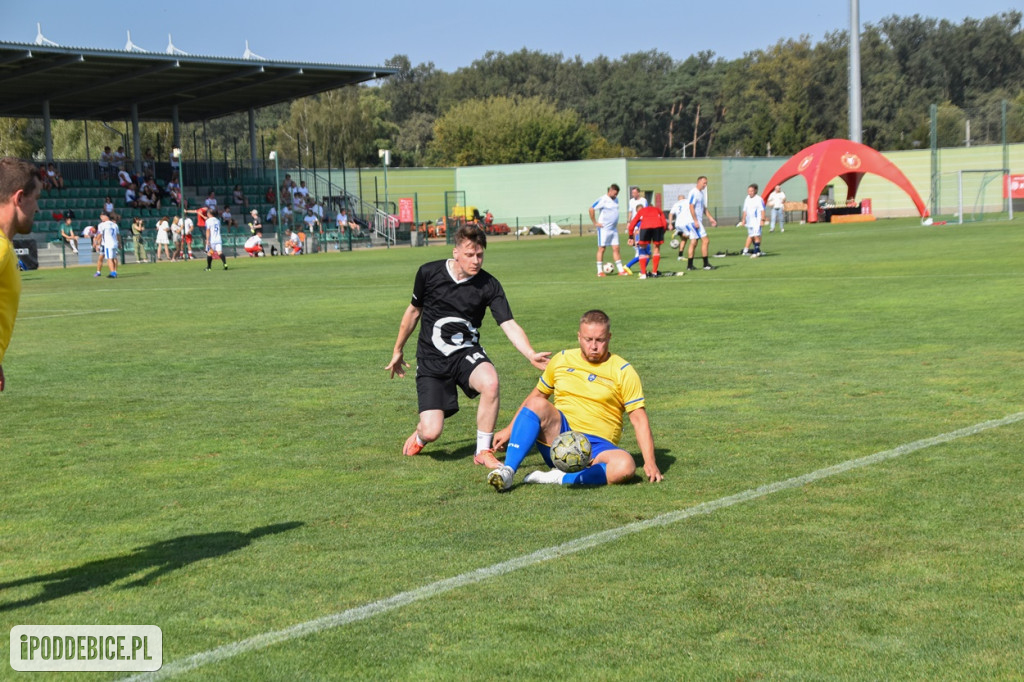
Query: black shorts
x=436, y=379
x=654, y=235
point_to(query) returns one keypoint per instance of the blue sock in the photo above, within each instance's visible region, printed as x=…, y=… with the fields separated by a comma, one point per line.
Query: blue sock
x=525, y=430
x=636, y=259
x=592, y=475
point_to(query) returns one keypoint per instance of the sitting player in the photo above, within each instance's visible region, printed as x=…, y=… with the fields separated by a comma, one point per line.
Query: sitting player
x=292, y=245
x=592, y=389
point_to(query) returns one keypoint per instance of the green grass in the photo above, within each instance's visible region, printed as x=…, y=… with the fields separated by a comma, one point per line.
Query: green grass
x=151, y=423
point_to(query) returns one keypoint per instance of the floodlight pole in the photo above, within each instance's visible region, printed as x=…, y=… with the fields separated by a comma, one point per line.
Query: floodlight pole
x=856, y=124
x=277, y=195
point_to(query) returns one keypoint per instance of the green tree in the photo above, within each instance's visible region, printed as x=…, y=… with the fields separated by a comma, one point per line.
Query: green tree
x=507, y=130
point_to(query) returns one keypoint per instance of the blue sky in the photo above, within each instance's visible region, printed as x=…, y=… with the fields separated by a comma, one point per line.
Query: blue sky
x=451, y=33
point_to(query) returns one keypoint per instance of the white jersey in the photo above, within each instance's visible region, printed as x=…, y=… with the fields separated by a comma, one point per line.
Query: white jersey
x=635, y=205
x=607, y=211
x=188, y=225
x=698, y=200
x=213, y=229
x=681, y=210
x=753, y=210
x=108, y=231
x=777, y=199
x=253, y=241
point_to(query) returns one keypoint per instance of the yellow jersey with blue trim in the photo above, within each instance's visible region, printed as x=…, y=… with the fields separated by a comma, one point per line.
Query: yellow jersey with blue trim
x=593, y=397
x=10, y=292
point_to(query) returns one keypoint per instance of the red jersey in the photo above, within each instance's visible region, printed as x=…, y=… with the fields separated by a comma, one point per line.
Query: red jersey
x=647, y=218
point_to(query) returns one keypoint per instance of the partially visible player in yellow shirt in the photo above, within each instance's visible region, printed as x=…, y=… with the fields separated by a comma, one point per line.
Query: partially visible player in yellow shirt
x=19, y=197
x=591, y=389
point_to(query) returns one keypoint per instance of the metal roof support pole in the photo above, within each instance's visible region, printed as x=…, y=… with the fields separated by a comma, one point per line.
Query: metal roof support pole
x=252, y=142
x=175, y=126
x=47, y=131
x=136, y=140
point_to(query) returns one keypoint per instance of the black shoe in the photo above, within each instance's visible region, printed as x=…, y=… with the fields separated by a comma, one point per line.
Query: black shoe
x=709, y=267
x=690, y=267
x=654, y=274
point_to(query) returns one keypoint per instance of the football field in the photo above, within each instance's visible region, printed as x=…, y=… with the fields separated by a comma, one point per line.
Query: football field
x=839, y=424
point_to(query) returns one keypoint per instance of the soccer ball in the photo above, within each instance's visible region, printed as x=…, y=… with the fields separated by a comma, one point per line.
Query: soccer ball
x=571, y=452
x=609, y=268
x=674, y=243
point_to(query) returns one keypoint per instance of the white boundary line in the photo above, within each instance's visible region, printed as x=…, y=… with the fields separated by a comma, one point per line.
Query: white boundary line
x=68, y=314
x=359, y=613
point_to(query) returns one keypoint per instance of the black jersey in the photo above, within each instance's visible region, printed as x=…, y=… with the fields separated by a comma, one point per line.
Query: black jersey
x=452, y=312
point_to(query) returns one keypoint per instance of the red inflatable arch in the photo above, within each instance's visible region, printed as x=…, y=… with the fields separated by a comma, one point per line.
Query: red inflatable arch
x=845, y=159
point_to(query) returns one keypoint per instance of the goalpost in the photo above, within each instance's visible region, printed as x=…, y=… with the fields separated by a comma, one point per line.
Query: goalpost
x=969, y=195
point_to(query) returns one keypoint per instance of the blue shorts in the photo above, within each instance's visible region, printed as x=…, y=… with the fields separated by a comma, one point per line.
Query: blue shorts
x=597, y=444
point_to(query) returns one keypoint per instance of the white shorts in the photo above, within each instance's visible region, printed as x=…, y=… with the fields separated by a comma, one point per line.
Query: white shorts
x=695, y=232
x=110, y=252
x=754, y=231
x=215, y=248
x=608, y=236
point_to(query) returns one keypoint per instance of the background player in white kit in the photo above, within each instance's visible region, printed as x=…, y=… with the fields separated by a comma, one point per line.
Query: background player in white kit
x=679, y=215
x=604, y=214
x=107, y=233
x=753, y=218
x=213, y=241
x=698, y=200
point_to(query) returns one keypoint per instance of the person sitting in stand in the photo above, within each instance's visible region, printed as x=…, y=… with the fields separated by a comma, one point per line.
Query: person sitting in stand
x=124, y=178
x=54, y=177
x=131, y=197
x=272, y=216
x=238, y=197
x=67, y=233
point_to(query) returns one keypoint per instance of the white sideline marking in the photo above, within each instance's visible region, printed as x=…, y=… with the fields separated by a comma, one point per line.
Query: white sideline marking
x=68, y=314
x=359, y=613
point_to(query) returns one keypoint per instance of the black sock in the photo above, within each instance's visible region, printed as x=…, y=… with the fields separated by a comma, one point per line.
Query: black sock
x=689, y=262
x=706, y=263
x=209, y=262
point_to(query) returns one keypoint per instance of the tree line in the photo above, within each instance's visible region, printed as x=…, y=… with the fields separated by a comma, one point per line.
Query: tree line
x=532, y=106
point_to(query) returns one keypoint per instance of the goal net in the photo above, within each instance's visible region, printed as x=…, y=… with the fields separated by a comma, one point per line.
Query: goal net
x=970, y=196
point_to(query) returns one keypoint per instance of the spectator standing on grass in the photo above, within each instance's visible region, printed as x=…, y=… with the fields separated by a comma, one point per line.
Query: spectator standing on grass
x=452, y=296
x=591, y=389
x=752, y=219
x=604, y=215
x=255, y=226
x=163, y=238
x=138, y=228
x=19, y=201
x=177, y=239
x=187, y=227
x=777, y=204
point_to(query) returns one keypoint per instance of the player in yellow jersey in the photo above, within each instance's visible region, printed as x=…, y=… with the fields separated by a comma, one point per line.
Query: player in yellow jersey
x=19, y=197
x=591, y=388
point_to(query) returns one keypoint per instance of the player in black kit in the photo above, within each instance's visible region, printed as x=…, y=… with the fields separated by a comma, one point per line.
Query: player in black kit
x=451, y=296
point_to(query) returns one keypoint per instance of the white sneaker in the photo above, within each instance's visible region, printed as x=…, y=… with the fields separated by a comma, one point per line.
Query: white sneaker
x=501, y=478
x=641, y=276
x=551, y=476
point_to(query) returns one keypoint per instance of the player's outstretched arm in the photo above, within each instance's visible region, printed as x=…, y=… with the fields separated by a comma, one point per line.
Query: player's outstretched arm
x=644, y=438
x=519, y=339
x=409, y=321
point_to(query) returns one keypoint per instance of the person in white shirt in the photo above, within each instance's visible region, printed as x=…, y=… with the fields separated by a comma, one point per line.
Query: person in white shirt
x=604, y=215
x=214, y=245
x=272, y=216
x=752, y=219
x=636, y=202
x=163, y=238
x=697, y=200
x=680, y=217
x=107, y=233
x=211, y=201
x=186, y=232
x=254, y=246
x=777, y=203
